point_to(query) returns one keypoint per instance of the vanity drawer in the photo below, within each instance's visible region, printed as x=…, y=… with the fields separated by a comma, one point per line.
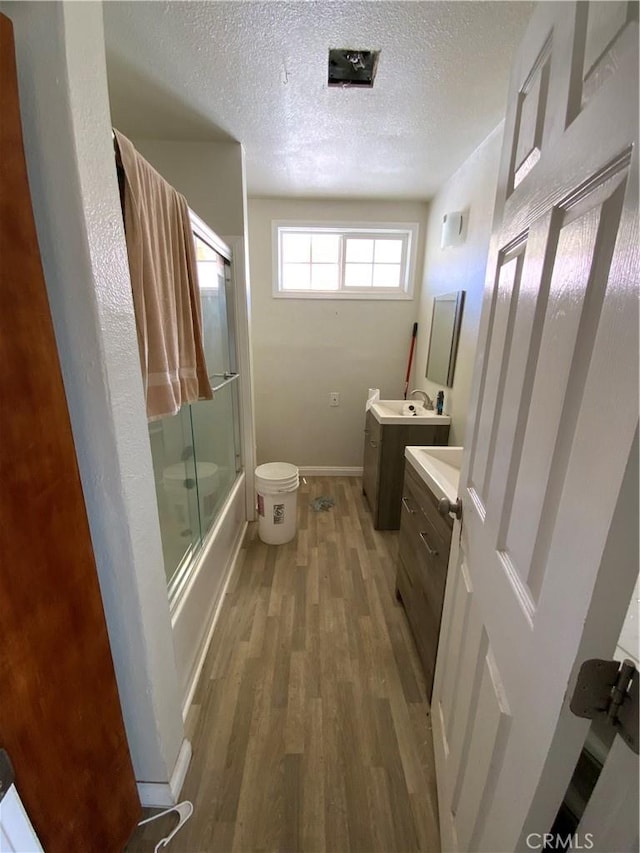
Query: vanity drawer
x=418, y=495
x=423, y=557
x=423, y=618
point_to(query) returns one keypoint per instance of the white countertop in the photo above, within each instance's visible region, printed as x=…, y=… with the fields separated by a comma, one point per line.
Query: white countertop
x=438, y=468
x=390, y=412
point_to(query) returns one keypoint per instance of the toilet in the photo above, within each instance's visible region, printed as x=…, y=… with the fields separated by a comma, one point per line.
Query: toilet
x=178, y=485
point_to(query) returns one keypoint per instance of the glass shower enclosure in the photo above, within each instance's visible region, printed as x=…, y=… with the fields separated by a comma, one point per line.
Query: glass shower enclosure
x=197, y=453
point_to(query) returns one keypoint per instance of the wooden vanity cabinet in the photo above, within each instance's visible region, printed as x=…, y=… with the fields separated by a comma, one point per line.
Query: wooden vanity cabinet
x=383, y=464
x=423, y=556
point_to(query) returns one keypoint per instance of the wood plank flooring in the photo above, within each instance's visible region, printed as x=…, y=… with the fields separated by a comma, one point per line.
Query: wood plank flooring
x=310, y=727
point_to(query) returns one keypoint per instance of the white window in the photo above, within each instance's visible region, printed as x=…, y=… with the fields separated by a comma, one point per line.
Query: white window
x=344, y=261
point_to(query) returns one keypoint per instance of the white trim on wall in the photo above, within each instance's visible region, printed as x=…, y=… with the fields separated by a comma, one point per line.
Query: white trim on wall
x=239, y=277
x=159, y=795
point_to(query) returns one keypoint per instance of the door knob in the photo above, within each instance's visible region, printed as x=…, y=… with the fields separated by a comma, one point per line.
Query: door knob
x=445, y=506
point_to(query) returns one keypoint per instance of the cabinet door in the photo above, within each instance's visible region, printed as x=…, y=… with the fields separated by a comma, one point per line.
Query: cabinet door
x=395, y=438
x=371, y=462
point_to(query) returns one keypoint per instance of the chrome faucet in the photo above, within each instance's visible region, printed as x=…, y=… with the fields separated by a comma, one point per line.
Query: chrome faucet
x=428, y=402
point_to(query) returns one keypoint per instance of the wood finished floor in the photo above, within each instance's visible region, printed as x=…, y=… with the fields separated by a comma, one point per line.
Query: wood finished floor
x=310, y=728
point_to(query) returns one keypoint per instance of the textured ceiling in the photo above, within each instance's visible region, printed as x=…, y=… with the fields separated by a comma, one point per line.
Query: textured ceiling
x=256, y=72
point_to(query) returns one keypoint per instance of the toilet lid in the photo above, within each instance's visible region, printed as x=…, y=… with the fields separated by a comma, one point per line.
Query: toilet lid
x=180, y=471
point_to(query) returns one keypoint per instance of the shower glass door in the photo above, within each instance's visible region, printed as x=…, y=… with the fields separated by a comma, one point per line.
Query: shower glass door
x=216, y=422
x=196, y=454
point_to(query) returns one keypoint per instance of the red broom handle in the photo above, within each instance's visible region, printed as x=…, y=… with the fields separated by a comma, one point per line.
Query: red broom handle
x=411, y=348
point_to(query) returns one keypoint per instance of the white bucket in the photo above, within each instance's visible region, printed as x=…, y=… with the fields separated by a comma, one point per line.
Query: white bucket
x=277, y=487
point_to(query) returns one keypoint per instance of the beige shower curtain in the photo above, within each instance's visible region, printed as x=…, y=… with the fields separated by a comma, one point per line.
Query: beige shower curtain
x=164, y=282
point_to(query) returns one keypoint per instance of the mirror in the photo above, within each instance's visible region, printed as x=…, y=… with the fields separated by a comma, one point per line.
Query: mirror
x=445, y=331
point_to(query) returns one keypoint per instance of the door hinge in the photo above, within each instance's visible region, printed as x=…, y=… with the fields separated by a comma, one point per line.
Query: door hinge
x=608, y=690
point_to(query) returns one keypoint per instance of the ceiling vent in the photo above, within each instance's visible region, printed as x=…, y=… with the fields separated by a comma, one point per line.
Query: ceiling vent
x=349, y=67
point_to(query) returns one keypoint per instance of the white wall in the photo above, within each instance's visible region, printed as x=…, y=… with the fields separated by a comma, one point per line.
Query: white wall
x=209, y=174
x=67, y=130
x=472, y=189
x=305, y=348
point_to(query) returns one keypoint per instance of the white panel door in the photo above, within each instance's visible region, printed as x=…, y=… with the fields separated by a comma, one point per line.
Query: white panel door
x=16, y=832
x=610, y=821
x=545, y=557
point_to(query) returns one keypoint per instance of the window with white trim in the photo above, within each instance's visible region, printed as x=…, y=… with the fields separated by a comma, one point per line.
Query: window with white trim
x=354, y=262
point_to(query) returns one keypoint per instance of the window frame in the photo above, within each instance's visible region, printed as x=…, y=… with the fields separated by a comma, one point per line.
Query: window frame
x=408, y=231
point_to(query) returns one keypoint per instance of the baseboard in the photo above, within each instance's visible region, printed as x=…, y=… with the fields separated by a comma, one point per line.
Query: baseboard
x=166, y=794
x=197, y=670
x=330, y=472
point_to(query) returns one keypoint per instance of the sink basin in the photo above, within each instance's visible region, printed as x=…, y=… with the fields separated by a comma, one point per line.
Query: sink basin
x=390, y=412
x=438, y=468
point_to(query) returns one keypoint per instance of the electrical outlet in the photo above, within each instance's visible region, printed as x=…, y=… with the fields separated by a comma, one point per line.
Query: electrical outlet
x=334, y=398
